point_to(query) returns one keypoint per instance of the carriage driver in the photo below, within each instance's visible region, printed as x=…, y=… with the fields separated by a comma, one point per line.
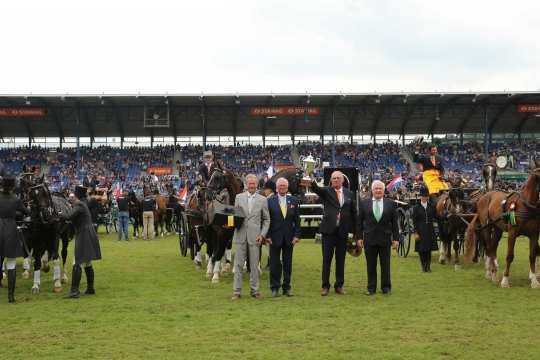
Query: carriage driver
x=10, y=240
x=207, y=168
x=433, y=169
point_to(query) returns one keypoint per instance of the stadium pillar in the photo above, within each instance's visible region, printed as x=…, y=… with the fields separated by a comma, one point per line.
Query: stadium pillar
x=334, y=136
x=203, y=120
x=78, y=155
x=486, y=132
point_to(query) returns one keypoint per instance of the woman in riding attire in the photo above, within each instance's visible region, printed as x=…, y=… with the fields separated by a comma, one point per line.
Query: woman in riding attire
x=10, y=241
x=86, y=244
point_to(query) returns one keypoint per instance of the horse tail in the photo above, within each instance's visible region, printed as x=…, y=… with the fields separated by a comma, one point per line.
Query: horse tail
x=471, y=239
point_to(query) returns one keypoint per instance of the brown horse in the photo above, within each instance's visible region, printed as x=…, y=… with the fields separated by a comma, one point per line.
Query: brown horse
x=449, y=209
x=160, y=215
x=496, y=210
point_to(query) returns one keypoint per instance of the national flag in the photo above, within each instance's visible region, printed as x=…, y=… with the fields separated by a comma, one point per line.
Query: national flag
x=183, y=193
x=394, y=184
x=117, y=191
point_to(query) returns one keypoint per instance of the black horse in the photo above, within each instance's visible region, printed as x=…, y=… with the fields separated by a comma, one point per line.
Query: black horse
x=135, y=213
x=43, y=233
x=222, y=189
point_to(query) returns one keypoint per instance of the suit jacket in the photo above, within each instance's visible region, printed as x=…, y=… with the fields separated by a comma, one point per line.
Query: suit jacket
x=377, y=233
x=283, y=230
x=426, y=162
x=256, y=223
x=203, y=170
x=332, y=207
x=423, y=220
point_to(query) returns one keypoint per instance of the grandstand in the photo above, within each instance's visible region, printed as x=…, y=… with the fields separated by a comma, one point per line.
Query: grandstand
x=110, y=135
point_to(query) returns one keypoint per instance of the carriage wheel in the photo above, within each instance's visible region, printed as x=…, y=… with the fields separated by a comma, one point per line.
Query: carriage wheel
x=183, y=236
x=404, y=233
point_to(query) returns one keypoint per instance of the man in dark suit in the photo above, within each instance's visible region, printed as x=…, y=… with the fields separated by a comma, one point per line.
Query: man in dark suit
x=207, y=168
x=338, y=221
x=284, y=233
x=377, y=231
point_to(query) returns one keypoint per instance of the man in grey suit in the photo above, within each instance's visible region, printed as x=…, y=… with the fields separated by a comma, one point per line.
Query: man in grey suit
x=250, y=236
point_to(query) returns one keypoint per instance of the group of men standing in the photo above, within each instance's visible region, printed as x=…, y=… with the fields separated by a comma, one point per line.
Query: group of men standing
x=373, y=223
x=275, y=220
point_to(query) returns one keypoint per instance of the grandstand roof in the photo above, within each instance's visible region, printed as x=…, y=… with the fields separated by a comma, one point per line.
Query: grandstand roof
x=255, y=114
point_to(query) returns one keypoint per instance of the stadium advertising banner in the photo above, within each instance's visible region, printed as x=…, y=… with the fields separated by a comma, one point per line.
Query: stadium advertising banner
x=160, y=170
x=21, y=112
x=530, y=108
x=284, y=110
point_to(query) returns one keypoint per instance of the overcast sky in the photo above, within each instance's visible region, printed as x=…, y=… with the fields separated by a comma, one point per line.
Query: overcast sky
x=261, y=46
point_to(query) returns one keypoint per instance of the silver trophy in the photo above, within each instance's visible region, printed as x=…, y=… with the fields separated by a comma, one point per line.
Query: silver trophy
x=309, y=164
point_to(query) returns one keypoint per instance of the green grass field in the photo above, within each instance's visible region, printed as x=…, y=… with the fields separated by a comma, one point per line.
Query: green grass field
x=153, y=304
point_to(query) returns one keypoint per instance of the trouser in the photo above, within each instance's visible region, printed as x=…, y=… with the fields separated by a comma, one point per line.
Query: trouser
x=123, y=223
x=383, y=254
x=425, y=259
x=242, y=250
x=330, y=243
x=148, y=225
x=277, y=267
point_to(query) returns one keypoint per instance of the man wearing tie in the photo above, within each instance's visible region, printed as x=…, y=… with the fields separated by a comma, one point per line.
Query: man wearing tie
x=207, y=168
x=377, y=231
x=250, y=236
x=338, y=221
x=284, y=233
x=431, y=162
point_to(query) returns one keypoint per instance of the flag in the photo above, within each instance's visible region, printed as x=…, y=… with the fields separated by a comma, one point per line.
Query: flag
x=270, y=170
x=117, y=192
x=394, y=184
x=183, y=193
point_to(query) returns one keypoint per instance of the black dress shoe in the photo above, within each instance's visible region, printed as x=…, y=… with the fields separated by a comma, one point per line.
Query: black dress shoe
x=369, y=293
x=275, y=293
x=386, y=291
x=287, y=293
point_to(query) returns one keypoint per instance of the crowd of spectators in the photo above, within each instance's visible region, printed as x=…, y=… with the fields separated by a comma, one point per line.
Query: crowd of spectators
x=130, y=166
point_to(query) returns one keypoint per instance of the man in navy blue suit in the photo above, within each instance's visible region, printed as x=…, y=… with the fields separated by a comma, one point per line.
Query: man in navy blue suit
x=284, y=233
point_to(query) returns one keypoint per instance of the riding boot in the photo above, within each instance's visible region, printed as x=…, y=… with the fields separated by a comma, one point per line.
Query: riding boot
x=89, y=271
x=75, y=282
x=11, y=285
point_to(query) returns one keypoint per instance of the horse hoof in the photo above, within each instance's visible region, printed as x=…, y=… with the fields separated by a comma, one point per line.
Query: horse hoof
x=457, y=267
x=505, y=283
x=45, y=268
x=488, y=275
x=215, y=280
x=35, y=290
x=57, y=289
x=25, y=274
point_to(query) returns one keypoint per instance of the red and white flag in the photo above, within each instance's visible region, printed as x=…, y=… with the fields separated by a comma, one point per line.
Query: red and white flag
x=183, y=193
x=117, y=192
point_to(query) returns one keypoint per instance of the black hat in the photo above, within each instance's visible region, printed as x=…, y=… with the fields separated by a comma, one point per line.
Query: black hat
x=270, y=185
x=8, y=183
x=424, y=191
x=81, y=192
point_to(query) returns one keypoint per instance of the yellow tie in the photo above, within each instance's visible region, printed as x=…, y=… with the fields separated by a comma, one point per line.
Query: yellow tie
x=283, y=207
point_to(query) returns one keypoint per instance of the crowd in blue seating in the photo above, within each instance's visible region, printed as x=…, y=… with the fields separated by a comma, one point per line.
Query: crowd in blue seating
x=112, y=166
